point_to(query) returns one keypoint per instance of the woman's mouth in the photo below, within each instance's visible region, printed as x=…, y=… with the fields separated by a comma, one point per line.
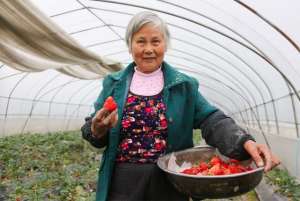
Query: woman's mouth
x=149, y=58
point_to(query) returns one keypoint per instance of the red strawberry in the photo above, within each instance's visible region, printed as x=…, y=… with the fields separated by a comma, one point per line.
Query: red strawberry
x=233, y=169
x=215, y=160
x=231, y=160
x=203, y=166
x=216, y=170
x=110, y=104
x=191, y=171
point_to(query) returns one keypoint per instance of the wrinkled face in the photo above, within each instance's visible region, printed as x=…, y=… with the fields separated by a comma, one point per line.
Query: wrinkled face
x=148, y=48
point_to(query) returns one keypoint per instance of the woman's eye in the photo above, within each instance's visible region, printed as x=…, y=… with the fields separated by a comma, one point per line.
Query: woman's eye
x=140, y=41
x=155, y=42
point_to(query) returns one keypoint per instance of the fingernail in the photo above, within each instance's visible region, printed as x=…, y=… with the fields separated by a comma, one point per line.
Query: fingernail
x=260, y=164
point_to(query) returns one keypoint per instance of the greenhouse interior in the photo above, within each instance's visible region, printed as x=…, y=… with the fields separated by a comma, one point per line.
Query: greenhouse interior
x=55, y=54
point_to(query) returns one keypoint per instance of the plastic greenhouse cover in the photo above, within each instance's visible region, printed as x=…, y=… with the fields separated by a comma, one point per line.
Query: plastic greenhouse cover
x=238, y=57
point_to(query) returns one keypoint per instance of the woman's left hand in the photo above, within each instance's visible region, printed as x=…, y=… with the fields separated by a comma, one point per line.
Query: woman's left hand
x=261, y=154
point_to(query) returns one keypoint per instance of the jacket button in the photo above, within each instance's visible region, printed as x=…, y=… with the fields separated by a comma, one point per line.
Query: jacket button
x=170, y=120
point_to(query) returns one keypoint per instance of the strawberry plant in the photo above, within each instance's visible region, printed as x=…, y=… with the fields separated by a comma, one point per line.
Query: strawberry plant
x=53, y=166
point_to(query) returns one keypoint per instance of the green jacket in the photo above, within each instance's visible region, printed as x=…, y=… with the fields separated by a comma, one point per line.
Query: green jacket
x=186, y=110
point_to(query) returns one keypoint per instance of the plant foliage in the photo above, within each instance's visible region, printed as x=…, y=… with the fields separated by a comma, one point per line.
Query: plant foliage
x=53, y=166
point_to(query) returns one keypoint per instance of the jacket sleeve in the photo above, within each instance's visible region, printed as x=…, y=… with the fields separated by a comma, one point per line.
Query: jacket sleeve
x=222, y=132
x=219, y=130
x=86, y=128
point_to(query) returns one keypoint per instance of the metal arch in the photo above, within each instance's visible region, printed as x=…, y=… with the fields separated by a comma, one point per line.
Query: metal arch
x=208, y=50
x=12, y=75
x=74, y=94
x=88, y=7
x=264, y=57
x=67, y=12
x=223, y=106
x=255, y=117
x=180, y=64
x=289, y=40
x=232, y=30
x=252, y=112
x=88, y=29
x=209, y=18
x=230, y=77
x=275, y=68
x=12, y=91
x=205, y=75
x=235, y=68
x=126, y=63
x=50, y=90
x=83, y=100
x=52, y=100
x=270, y=93
x=34, y=99
x=263, y=81
x=281, y=32
x=9, y=98
x=198, y=46
x=230, y=100
x=210, y=77
x=122, y=51
x=231, y=64
x=68, y=103
x=235, y=55
x=253, y=30
x=239, y=58
x=78, y=107
x=252, y=69
x=274, y=110
x=98, y=18
x=294, y=111
x=226, y=61
x=87, y=94
x=222, y=58
x=102, y=43
x=219, y=81
x=184, y=18
x=197, y=72
x=242, y=90
x=221, y=93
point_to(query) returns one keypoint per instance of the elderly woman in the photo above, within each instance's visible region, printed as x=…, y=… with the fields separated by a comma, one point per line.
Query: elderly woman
x=158, y=108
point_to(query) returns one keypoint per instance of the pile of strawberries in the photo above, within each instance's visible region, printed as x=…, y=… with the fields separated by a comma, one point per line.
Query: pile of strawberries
x=216, y=166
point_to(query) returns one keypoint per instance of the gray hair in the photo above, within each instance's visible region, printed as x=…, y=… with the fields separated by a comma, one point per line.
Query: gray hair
x=143, y=18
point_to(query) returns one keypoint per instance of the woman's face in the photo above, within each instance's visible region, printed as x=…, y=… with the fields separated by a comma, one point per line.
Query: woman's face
x=148, y=48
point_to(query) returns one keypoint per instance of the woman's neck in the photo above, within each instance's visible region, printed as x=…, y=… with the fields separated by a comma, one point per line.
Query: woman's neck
x=147, y=84
x=158, y=70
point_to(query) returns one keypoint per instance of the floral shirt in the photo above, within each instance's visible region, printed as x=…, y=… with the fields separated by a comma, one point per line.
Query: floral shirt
x=144, y=129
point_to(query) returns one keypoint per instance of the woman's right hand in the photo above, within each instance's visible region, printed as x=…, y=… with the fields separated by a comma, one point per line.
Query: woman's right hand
x=103, y=121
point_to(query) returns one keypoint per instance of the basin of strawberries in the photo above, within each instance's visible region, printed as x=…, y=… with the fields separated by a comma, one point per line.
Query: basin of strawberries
x=201, y=172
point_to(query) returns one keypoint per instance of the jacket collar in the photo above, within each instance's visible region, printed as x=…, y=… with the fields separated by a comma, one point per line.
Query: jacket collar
x=172, y=77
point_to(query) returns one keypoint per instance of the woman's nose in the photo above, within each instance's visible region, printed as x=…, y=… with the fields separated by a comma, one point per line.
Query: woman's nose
x=148, y=49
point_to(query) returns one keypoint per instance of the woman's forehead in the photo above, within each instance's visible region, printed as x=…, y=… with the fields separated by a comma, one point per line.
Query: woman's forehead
x=148, y=30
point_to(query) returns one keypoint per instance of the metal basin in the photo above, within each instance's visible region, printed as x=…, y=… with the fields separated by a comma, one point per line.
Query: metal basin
x=202, y=187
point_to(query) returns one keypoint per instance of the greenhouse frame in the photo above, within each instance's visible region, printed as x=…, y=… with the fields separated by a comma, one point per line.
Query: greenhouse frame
x=245, y=55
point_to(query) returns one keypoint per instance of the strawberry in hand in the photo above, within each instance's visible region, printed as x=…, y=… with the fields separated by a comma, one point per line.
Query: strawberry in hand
x=110, y=104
